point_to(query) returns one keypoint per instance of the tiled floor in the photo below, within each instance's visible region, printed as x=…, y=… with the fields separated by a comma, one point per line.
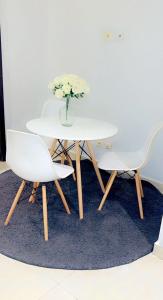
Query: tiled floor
x=141, y=280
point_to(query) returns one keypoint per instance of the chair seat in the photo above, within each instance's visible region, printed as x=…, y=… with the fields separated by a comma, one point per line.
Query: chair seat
x=58, y=171
x=61, y=170
x=126, y=161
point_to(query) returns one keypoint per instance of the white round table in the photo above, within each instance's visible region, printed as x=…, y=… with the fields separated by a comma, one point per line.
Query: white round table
x=83, y=129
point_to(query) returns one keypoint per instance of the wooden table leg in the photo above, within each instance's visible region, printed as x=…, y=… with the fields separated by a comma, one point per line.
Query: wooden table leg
x=94, y=162
x=63, y=157
x=59, y=189
x=79, y=182
x=71, y=165
x=67, y=157
x=53, y=146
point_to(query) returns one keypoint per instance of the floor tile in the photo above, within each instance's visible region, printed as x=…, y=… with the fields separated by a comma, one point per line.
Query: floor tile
x=22, y=281
x=3, y=167
x=131, y=281
x=54, y=274
x=58, y=294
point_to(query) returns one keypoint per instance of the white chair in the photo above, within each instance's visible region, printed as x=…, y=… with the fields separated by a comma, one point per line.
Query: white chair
x=128, y=161
x=51, y=109
x=29, y=158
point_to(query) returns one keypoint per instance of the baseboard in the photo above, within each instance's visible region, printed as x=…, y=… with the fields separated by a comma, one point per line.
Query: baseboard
x=157, y=184
x=158, y=250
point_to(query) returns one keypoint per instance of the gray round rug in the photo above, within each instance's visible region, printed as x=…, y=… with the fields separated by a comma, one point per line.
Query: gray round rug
x=103, y=239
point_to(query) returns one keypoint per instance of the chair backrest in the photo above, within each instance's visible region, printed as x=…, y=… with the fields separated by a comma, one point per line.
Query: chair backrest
x=146, y=150
x=52, y=107
x=28, y=156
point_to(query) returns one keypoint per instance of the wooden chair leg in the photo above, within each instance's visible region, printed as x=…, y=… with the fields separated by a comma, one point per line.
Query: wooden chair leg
x=141, y=187
x=109, y=185
x=91, y=152
x=16, y=199
x=59, y=189
x=79, y=181
x=137, y=181
x=32, y=198
x=45, y=212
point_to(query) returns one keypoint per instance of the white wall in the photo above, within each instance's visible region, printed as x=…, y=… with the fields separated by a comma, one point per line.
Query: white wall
x=24, y=46
x=42, y=39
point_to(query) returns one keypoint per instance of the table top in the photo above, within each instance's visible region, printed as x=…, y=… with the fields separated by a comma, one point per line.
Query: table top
x=81, y=130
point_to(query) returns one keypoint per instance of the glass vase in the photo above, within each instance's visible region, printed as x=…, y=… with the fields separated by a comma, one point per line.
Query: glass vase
x=66, y=117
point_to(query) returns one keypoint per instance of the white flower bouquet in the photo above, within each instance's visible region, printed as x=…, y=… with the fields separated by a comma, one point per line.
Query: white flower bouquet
x=68, y=87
